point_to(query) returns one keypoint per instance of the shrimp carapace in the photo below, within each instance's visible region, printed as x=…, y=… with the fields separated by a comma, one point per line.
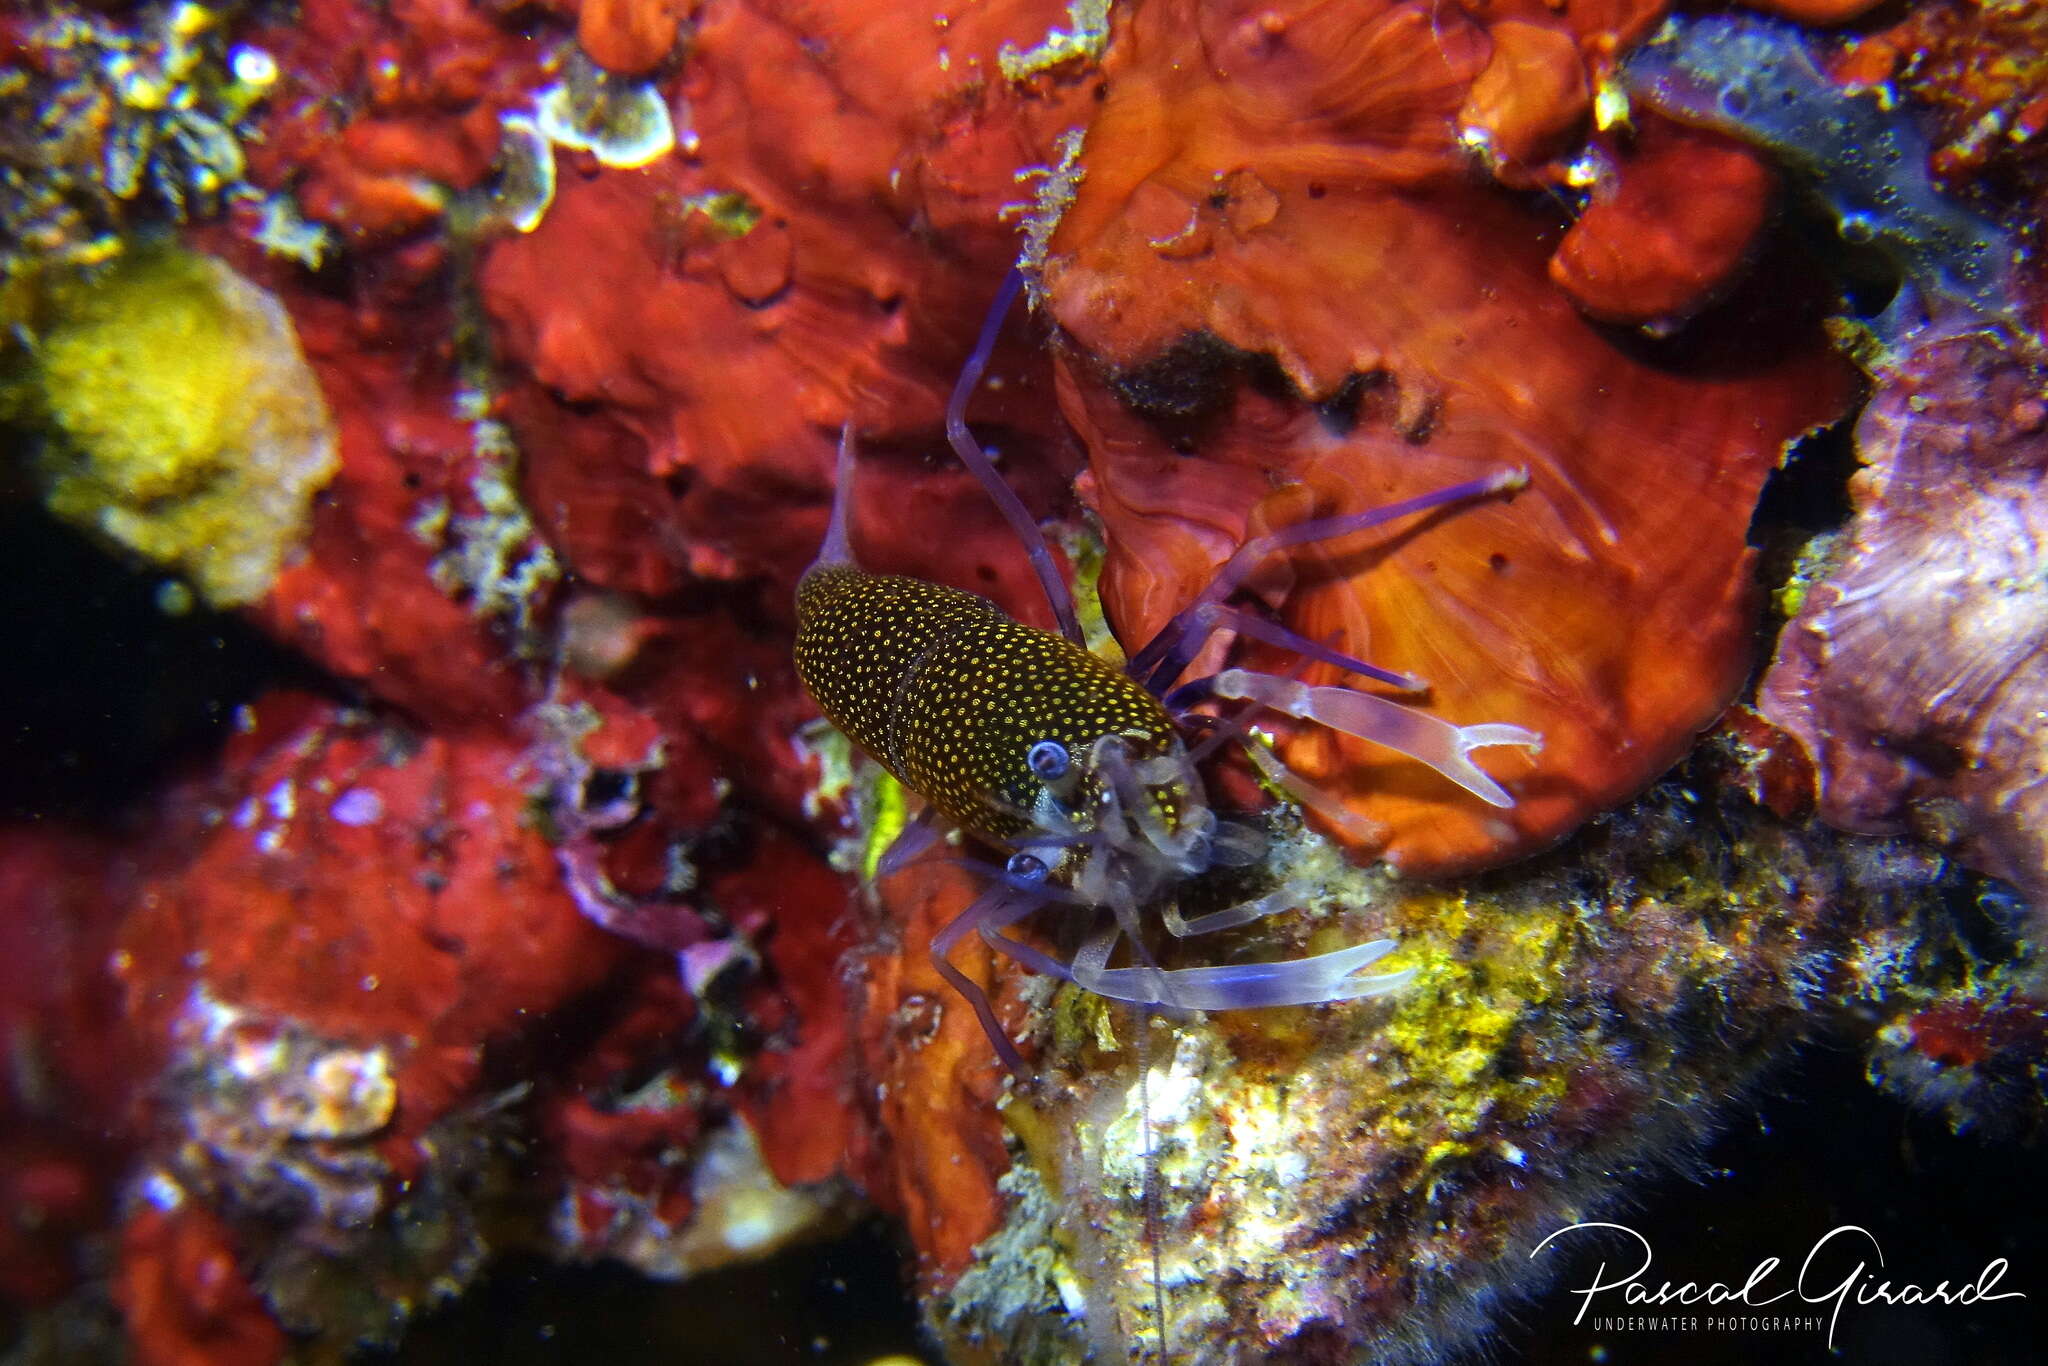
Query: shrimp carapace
x=951, y=695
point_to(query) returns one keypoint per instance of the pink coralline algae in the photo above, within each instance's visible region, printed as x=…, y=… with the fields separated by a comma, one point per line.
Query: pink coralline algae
x=1917, y=672
x=470, y=930
x=336, y=969
x=322, y=1031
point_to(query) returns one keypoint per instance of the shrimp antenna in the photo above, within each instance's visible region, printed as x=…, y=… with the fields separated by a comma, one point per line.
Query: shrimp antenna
x=1150, y=1194
x=976, y=459
x=838, y=547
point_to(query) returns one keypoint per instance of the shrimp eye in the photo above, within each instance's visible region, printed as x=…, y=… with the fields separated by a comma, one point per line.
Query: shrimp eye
x=1026, y=867
x=1048, y=759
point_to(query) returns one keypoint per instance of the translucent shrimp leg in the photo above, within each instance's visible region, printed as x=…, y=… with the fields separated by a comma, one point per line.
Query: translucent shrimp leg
x=913, y=839
x=1037, y=960
x=1230, y=917
x=998, y=908
x=1167, y=655
x=1199, y=622
x=1324, y=804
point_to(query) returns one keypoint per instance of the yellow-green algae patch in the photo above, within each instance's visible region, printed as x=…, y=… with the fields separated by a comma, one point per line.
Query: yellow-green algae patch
x=182, y=420
x=1081, y=542
x=729, y=211
x=1456, y=1017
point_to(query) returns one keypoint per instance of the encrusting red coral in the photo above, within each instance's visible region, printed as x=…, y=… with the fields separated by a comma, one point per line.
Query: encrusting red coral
x=356, y=940
x=1765, y=762
x=382, y=114
x=372, y=886
x=789, y=255
x=1530, y=100
x=800, y=1096
x=611, y=1149
x=1409, y=313
x=186, y=1301
x=1670, y=218
x=69, y=1069
x=937, y=1089
x=630, y=37
x=1672, y=232
x=364, y=599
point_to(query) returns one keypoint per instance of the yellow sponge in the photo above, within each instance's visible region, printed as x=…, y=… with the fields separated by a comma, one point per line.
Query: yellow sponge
x=186, y=423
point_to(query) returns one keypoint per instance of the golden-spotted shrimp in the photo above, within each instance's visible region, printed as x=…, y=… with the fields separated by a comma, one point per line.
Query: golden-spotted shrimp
x=1084, y=775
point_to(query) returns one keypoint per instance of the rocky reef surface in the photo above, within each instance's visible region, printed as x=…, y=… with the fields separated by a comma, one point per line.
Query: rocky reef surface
x=487, y=362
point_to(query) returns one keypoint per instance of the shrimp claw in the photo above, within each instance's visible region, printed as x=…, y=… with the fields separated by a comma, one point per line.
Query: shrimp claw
x=1417, y=734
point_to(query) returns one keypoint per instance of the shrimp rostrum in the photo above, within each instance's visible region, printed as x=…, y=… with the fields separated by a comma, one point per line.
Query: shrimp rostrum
x=1085, y=777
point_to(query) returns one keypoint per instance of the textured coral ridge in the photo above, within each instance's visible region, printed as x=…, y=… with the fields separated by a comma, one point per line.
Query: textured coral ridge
x=1364, y=1183
x=1917, y=673
x=1280, y=188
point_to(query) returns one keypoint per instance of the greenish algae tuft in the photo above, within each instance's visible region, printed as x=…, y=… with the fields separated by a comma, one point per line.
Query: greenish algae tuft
x=729, y=211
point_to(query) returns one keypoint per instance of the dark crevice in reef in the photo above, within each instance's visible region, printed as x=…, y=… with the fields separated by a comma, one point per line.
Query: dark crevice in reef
x=1824, y=1149
x=103, y=694
x=1809, y=492
x=838, y=1303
